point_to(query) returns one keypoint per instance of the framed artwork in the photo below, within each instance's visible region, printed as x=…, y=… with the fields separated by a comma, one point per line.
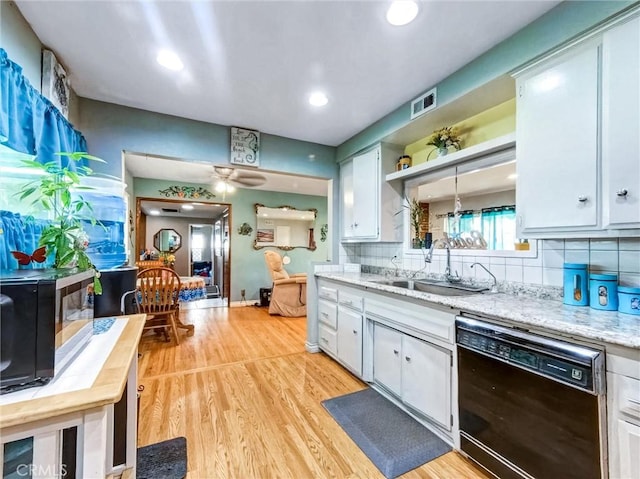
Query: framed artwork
x=55, y=84
x=245, y=147
x=265, y=236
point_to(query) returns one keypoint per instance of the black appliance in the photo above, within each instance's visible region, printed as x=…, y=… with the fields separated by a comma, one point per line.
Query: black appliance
x=265, y=296
x=36, y=307
x=529, y=406
x=115, y=283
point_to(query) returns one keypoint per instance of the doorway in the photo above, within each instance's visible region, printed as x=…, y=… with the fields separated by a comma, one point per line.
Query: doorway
x=186, y=217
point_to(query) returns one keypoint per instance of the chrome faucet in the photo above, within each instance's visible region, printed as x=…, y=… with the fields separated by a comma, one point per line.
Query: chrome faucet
x=494, y=286
x=447, y=271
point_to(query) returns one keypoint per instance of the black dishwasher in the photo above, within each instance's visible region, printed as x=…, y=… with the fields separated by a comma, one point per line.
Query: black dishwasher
x=529, y=406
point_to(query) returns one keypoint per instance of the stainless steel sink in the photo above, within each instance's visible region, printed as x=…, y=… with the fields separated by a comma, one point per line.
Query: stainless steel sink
x=434, y=287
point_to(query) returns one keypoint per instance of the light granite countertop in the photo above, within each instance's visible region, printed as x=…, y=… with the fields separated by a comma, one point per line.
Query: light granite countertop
x=609, y=327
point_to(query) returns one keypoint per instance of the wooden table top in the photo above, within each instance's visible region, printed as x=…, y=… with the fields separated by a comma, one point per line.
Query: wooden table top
x=106, y=389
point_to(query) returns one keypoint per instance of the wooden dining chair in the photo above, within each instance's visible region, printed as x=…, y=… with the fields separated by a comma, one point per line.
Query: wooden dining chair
x=157, y=297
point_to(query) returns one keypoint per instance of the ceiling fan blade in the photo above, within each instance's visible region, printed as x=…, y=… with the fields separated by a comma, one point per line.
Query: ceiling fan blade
x=249, y=180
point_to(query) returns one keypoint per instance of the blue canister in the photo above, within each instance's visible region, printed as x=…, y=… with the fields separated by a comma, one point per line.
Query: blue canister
x=629, y=300
x=603, y=290
x=575, y=284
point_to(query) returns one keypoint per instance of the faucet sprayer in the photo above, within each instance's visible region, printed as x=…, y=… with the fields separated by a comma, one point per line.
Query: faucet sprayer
x=494, y=286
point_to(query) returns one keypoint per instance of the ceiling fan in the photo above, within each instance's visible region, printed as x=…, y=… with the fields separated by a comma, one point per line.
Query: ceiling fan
x=229, y=177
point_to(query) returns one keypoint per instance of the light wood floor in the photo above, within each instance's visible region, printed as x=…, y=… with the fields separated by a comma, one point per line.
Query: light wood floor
x=246, y=395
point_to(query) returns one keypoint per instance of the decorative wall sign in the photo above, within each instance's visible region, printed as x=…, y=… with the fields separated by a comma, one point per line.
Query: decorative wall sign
x=55, y=84
x=187, y=192
x=245, y=146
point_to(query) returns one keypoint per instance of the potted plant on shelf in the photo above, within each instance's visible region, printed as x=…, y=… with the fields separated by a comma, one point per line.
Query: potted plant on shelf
x=443, y=139
x=416, y=216
x=64, y=237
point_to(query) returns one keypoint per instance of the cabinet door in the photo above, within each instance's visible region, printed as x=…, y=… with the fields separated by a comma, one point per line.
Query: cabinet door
x=366, y=189
x=620, y=126
x=629, y=445
x=346, y=192
x=387, y=358
x=350, y=339
x=426, y=379
x=557, y=143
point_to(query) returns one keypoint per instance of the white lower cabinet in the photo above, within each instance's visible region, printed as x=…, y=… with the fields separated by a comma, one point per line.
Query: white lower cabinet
x=387, y=358
x=350, y=339
x=426, y=379
x=623, y=407
x=417, y=372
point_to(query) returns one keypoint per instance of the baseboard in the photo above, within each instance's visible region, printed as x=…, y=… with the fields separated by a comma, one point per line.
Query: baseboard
x=242, y=304
x=312, y=347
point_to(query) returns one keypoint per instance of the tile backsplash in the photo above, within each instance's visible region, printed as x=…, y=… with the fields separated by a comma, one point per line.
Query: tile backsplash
x=617, y=256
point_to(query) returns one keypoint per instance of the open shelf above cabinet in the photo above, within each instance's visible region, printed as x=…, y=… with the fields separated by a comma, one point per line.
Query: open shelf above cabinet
x=504, y=143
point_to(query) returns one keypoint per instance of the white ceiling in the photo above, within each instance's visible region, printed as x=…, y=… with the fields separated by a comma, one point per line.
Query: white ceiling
x=206, y=211
x=254, y=63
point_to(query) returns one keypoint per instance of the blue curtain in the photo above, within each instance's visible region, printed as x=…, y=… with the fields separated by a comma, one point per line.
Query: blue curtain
x=29, y=123
x=19, y=234
x=499, y=227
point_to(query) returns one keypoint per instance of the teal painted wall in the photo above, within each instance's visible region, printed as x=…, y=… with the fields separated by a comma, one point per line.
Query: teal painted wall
x=248, y=270
x=111, y=129
x=557, y=26
x=21, y=44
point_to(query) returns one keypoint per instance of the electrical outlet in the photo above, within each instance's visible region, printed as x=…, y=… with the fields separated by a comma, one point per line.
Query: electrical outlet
x=242, y=292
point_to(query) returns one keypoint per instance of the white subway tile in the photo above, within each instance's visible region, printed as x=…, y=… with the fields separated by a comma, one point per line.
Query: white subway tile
x=603, y=244
x=576, y=256
x=499, y=271
x=497, y=260
x=532, y=274
x=576, y=244
x=629, y=261
x=629, y=244
x=603, y=261
x=552, y=276
x=513, y=262
x=537, y=261
x=629, y=279
x=552, y=258
x=467, y=270
x=553, y=244
x=513, y=273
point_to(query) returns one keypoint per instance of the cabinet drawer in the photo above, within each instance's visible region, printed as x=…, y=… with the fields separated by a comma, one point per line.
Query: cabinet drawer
x=328, y=313
x=351, y=300
x=328, y=293
x=328, y=339
x=627, y=391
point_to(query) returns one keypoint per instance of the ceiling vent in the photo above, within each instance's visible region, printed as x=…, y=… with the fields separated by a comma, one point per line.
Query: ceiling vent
x=423, y=104
x=170, y=210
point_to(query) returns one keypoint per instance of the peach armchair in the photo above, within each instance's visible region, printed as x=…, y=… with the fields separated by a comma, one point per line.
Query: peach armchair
x=289, y=292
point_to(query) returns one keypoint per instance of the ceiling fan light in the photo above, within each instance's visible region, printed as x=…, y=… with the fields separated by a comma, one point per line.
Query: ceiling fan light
x=221, y=187
x=230, y=188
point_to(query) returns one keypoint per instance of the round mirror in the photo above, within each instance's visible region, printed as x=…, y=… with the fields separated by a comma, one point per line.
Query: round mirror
x=167, y=241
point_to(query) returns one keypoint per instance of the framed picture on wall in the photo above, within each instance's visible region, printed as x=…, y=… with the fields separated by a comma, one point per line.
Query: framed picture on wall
x=245, y=147
x=265, y=236
x=55, y=84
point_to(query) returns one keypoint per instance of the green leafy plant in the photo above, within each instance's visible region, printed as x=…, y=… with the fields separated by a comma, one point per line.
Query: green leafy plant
x=65, y=237
x=444, y=138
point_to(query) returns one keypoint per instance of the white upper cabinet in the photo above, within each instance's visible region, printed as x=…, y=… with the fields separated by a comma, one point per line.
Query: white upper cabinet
x=557, y=143
x=369, y=204
x=621, y=126
x=577, y=144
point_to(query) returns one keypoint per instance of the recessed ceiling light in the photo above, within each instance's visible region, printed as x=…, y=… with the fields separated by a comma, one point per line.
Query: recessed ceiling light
x=402, y=12
x=318, y=99
x=170, y=60
x=187, y=207
x=154, y=212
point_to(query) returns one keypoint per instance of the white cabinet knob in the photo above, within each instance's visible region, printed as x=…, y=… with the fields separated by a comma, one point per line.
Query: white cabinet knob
x=395, y=351
x=355, y=332
x=407, y=358
x=582, y=199
x=622, y=193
